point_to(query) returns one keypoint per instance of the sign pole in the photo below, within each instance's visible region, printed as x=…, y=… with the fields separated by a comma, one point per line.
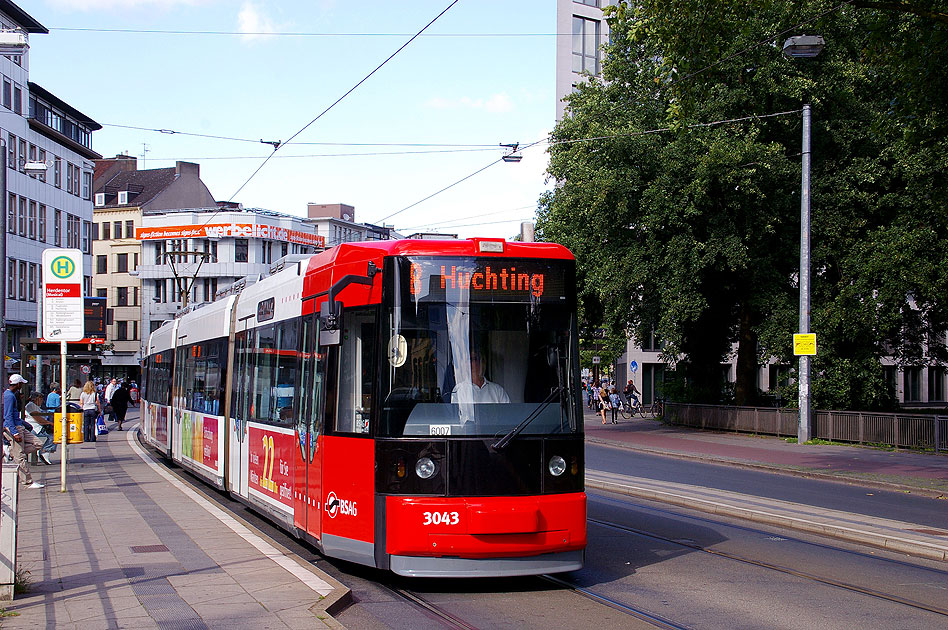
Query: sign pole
x=64, y=423
x=63, y=318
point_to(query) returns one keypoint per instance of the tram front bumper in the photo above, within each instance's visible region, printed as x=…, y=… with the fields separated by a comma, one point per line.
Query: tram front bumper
x=485, y=527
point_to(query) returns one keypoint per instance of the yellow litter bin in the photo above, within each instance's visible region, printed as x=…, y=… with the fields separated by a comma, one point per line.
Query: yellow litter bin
x=75, y=428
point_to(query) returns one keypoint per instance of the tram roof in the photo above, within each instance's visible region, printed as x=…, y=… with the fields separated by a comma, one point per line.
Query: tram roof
x=358, y=251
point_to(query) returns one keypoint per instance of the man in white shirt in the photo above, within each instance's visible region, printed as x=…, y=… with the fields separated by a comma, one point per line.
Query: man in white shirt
x=478, y=389
x=113, y=385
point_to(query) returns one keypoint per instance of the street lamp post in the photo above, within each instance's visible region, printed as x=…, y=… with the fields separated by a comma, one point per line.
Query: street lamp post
x=804, y=430
x=804, y=47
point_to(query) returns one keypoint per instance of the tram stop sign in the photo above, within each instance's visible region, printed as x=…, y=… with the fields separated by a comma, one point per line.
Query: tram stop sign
x=63, y=314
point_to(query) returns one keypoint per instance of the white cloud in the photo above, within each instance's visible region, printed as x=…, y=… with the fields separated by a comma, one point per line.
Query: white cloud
x=495, y=103
x=253, y=22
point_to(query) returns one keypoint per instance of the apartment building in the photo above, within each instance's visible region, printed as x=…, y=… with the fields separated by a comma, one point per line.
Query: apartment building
x=123, y=195
x=51, y=208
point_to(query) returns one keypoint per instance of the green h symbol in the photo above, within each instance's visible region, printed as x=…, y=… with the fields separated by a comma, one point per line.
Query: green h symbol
x=62, y=267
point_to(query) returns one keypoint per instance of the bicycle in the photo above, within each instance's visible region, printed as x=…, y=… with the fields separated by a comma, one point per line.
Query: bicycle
x=628, y=410
x=656, y=409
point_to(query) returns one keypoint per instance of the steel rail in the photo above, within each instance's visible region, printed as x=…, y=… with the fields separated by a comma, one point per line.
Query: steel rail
x=776, y=567
x=639, y=613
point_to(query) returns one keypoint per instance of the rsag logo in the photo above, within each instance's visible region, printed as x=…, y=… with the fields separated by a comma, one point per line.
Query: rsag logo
x=62, y=267
x=336, y=505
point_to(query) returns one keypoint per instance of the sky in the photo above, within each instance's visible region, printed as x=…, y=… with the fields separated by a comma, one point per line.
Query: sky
x=481, y=75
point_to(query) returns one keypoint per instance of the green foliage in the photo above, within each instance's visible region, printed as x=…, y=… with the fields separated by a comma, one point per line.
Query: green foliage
x=694, y=231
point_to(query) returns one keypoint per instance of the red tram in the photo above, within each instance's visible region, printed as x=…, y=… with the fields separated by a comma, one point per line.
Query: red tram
x=407, y=405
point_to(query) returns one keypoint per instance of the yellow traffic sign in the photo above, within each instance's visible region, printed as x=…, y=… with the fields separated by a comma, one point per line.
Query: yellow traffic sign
x=804, y=344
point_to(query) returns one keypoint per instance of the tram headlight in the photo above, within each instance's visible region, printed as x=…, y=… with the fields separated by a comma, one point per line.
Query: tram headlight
x=425, y=467
x=557, y=465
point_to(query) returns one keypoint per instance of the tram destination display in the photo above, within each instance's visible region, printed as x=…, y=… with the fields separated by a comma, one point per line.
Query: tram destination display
x=484, y=280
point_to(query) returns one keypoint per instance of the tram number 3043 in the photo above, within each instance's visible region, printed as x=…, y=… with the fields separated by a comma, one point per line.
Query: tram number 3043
x=441, y=518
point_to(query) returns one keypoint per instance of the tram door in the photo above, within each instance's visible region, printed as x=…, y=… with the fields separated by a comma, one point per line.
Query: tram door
x=310, y=396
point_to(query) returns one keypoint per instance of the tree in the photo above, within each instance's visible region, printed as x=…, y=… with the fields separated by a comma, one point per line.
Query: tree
x=694, y=231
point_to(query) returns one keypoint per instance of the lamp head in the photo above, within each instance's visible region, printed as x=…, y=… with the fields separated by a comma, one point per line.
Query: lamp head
x=804, y=46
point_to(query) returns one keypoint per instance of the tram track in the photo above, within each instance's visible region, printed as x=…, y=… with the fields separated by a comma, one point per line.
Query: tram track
x=639, y=613
x=775, y=567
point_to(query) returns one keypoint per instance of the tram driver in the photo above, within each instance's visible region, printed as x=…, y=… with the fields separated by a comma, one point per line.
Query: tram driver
x=478, y=389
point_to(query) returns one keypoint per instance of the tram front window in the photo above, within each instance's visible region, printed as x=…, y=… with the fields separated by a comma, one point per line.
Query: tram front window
x=462, y=361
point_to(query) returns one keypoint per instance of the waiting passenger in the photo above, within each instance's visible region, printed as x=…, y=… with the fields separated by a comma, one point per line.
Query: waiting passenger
x=478, y=389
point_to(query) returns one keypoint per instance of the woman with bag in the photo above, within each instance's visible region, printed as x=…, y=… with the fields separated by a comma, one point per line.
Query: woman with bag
x=603, y=401
x=90, y=411
x=120, y=399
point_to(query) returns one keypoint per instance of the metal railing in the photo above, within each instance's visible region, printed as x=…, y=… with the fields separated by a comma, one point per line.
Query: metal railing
x=901, y=430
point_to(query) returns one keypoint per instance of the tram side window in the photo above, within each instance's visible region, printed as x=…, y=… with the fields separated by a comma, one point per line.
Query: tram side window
x=203, y=376
x=357, y=372
x=276, y=373
x=243, y=375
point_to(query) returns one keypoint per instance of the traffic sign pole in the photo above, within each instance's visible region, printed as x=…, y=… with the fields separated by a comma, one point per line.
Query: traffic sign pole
x=63, y=423
x=63, y=318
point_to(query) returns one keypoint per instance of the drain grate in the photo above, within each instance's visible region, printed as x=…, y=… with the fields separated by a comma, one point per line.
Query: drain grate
x=148, y=548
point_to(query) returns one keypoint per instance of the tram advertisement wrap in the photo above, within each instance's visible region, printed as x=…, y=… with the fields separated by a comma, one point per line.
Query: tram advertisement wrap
x=159, y=423
x=199, y=438
x=271, y=470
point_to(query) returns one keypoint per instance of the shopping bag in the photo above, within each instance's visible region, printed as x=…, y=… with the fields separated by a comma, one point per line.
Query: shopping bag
x=100, y=428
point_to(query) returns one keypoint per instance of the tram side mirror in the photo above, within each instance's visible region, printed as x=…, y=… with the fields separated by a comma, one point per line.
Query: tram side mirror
x=329, y=332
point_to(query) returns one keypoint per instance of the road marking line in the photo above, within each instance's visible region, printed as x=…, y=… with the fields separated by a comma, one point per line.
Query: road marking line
x=298, y=571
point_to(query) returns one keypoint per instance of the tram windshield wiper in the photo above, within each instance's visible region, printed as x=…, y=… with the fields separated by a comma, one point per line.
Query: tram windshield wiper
x=502, y=443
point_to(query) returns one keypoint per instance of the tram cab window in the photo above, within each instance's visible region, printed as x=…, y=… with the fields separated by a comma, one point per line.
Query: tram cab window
x=475, y=346
x=356, y=371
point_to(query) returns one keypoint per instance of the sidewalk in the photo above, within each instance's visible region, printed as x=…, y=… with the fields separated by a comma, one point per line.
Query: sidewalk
x=920, y=473
x=131, y=546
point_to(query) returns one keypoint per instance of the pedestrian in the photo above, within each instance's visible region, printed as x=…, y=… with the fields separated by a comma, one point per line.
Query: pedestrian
x=42, y=426
x=603, y=396
x=73, y=393
x=109, y=392
x=90, y=411
x=16, y=429
x=54, y=401
x=614, y=404
x=120, y=400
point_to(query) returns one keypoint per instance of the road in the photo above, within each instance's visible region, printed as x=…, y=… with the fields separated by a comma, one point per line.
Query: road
x=652, y=565
x=831, y=495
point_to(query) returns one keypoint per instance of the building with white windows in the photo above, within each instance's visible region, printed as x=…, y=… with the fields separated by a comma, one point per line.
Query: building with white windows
x=578, y=56
x=189, y=256
x=122, y=195
x=51, y=209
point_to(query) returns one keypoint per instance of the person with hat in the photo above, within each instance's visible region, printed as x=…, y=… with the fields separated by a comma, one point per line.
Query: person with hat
x=24, y=443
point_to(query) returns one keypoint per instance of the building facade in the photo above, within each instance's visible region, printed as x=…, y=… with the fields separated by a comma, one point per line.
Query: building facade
x=123, y=195
x=43, y=209
x=581, y=32
x=189, y=256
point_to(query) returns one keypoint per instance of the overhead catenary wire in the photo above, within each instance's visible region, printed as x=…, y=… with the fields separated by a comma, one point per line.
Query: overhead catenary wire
x=151, y=31
x=174, y=132
x=591, y=139
x=278, y=146
x=340, y=99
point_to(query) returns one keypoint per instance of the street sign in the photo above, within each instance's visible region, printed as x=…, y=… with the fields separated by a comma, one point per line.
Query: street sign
x=804, y=344
x=63, y=315
x=595, y=360
x=634, y=366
